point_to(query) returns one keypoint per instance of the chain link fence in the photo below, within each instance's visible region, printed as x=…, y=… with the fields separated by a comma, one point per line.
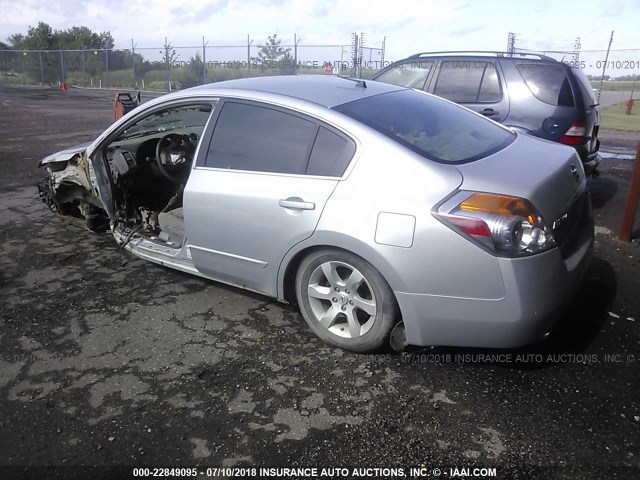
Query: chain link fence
x=166, y=67
x=169, y=67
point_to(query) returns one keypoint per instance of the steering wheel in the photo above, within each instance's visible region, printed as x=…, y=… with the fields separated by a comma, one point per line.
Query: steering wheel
x=173, y=155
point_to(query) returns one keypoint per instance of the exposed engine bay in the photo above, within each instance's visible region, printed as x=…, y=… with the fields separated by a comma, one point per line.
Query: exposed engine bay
x=66, y=188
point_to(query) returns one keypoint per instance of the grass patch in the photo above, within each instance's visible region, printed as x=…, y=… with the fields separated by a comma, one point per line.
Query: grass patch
x=615, y=85
x=615, y=118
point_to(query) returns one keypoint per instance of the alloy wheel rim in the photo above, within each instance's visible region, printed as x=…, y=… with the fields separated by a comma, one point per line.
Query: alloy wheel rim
x=341, y=299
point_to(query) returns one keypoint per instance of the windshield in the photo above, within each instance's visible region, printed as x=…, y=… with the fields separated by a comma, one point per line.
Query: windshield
x=167, y=120
x=436, y=129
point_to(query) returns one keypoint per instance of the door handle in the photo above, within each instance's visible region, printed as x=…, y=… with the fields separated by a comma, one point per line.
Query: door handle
x=297, y=204
x=489, y=112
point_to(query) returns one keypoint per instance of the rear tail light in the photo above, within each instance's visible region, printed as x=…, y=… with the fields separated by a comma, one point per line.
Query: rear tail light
x=507, y=226
x=576, y=135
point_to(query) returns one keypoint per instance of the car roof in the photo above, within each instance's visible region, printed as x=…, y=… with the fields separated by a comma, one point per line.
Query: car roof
x=325, y=90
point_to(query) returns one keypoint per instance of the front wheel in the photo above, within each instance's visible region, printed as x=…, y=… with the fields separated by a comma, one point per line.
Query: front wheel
x=345, y=301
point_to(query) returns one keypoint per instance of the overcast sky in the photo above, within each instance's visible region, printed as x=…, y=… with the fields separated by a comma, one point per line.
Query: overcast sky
x=409, y=26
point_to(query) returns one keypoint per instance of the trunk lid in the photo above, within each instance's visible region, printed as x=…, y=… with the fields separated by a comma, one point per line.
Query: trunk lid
x=549, y=175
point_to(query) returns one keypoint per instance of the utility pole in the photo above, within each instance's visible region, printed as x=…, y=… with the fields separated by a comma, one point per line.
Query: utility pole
x=576, y=51
x=107, y=65
x=296, y=40
x=360, y=55
x=167, y=59
x=511, y=43
x=133, y=62
x=384, y=46
x=24, y=68
x=84, y=69
x=354, y=54
x=61, y=66
x=604, y=68
x=41, y=66
x=204, y=61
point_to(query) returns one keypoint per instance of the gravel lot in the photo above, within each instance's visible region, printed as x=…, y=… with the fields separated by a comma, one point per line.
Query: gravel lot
x=108, y=360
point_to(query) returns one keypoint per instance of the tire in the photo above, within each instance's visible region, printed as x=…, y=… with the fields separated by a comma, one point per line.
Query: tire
x=97, y=223
x=96, y=218
x=345, y=301
x=67, y=208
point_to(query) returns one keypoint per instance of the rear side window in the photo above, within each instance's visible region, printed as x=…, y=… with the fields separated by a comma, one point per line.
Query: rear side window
x=436, y=129
x=410, y=74
x=331, y=154
x=249, y=137
x=468, y=82
x=548, y=82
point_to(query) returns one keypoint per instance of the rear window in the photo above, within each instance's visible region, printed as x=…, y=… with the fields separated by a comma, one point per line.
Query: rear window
x=548, y=82
x=585, y=87
x=432, y=127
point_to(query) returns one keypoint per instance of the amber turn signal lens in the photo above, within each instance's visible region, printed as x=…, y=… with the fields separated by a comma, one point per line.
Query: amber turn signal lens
x=500, y=205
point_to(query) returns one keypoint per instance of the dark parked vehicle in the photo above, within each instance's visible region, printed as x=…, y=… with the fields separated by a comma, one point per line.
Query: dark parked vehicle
x=529, y=93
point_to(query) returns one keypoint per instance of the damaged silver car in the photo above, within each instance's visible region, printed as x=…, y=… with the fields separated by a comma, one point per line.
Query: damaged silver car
x=384, y=212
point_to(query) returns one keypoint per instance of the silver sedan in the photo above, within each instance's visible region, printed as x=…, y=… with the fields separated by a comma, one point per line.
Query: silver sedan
x=382, y=211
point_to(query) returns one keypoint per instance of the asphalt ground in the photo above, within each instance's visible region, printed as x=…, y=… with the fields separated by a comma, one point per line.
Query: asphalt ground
x=107, y=360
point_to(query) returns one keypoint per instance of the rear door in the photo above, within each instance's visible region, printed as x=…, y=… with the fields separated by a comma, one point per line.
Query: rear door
x=259, y=189
x=475, y=83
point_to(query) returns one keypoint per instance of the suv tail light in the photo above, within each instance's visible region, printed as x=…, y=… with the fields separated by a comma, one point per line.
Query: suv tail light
x=576, y=135
x=506, y=226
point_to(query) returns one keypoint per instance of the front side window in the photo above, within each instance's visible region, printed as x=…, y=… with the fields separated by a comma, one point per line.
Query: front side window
x=430, y=126
x=468, y=82
x=255, y=138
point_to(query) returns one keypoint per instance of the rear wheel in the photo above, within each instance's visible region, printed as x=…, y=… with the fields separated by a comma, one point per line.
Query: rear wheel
x=345, y=301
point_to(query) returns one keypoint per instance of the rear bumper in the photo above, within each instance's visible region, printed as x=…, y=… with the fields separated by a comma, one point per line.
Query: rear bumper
x=591, y=164
x=536, y=290
x=590, y=159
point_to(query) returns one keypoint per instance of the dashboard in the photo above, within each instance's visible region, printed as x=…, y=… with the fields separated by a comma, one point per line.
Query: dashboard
x=139, y=153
